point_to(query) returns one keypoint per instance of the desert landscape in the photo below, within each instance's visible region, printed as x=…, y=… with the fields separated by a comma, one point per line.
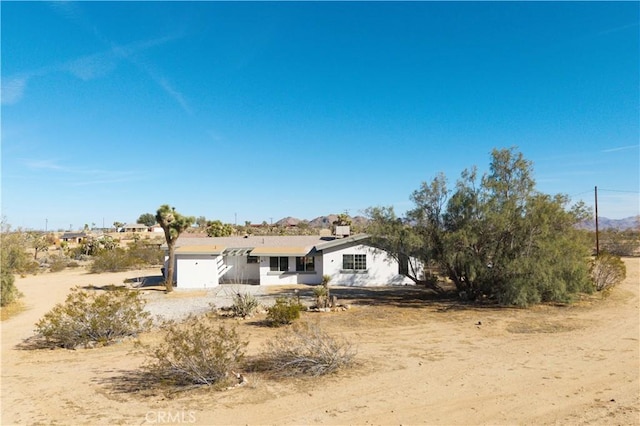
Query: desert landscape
x=420, y=360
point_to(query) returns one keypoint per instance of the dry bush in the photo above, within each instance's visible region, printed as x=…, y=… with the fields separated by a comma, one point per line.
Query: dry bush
x=607, y=271
x=305, y=349
x=88, y=318
x=57, y=263
x=196, y=351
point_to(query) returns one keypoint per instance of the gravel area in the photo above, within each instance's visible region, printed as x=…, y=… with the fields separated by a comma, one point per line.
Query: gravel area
x=183, y=302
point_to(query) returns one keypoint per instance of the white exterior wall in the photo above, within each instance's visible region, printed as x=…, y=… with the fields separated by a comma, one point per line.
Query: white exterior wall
x=381, y=270
x=241, y=272
x=196, y=271
x=268, y=277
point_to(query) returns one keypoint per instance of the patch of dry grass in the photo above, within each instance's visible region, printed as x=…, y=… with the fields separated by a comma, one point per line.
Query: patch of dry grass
x=13, y=309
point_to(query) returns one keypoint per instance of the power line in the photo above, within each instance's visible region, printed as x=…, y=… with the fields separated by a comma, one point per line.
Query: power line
x=606, y=190
x=619, y=190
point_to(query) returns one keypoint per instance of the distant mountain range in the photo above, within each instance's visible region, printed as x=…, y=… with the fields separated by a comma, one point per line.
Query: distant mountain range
x=320, y=222
x=632, y=222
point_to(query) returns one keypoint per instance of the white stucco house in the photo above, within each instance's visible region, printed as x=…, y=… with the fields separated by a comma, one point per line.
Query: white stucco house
x=277, y=260
x=135, y=227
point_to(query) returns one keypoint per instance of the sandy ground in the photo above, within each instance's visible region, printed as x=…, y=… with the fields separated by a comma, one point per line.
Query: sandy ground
x=420, y=362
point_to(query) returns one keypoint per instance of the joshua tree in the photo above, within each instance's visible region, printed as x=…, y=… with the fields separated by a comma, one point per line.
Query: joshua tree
x=173, y=224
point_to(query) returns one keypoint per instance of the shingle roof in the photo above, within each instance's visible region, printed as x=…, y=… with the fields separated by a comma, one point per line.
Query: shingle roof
x=74, y=235
x=200, y=250
x=271, y=245
x=255, y=241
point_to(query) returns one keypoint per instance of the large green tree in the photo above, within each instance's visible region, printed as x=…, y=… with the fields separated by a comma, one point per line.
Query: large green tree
x=147, y=219
x=496, y=236
x=398, y=237
x=173, y=224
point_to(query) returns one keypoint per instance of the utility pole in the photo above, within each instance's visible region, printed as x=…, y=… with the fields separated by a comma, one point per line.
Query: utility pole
x=46, y=224
x=597, y=236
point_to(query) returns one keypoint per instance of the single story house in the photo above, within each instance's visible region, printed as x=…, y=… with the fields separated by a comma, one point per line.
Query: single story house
x=74, y=237
x=277, y=260
x=135, y=227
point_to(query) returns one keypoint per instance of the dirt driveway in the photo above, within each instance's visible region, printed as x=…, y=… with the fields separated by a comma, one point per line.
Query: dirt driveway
x=420, y=362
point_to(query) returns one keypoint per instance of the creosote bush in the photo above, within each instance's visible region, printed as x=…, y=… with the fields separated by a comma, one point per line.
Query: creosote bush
x=9, y=291
x=283, y=312
x=112, y=261
x=118, y=259
x=89, y=318
x=197, y=351
x=607, y=271
x=58, y=263
x=305, y=349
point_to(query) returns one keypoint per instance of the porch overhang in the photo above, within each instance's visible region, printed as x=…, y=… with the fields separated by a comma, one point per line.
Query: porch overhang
x=238, y=251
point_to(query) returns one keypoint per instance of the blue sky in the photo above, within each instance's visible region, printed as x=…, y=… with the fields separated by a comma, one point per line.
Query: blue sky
x=255, y=111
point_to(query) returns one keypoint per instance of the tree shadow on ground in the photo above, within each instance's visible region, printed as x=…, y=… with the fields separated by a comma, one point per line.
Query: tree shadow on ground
x=34, y=343
x=137, y=382
x=146, y=281
x=399, y=296
x=416, y=297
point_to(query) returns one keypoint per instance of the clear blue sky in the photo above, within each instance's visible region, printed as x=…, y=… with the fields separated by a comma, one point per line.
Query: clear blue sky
x=251, y=111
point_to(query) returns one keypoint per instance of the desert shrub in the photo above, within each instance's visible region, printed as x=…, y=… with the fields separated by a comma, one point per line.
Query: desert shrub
x=9, y=292
x=88, y=318
x=195, y=352
x=284, y=311
x=13, y=252
x=57, y=263
x=607, y=271
x=119, y=259
x=244, y=304
x=112, y=261
x=305, y=349
x=620, y=243
x=146, y=253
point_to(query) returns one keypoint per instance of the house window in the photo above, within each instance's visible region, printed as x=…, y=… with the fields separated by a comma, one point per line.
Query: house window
x=253, y=259
x=355, y=262
x=305, y=264
x=278, y=263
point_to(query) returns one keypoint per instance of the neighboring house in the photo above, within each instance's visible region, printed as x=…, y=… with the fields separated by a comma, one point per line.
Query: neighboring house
x=277, y=260
x=135, y=227
x=73, y=237
x=156, y=229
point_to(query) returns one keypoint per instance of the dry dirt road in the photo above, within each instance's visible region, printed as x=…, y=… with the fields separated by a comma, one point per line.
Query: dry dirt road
x=420, y=362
